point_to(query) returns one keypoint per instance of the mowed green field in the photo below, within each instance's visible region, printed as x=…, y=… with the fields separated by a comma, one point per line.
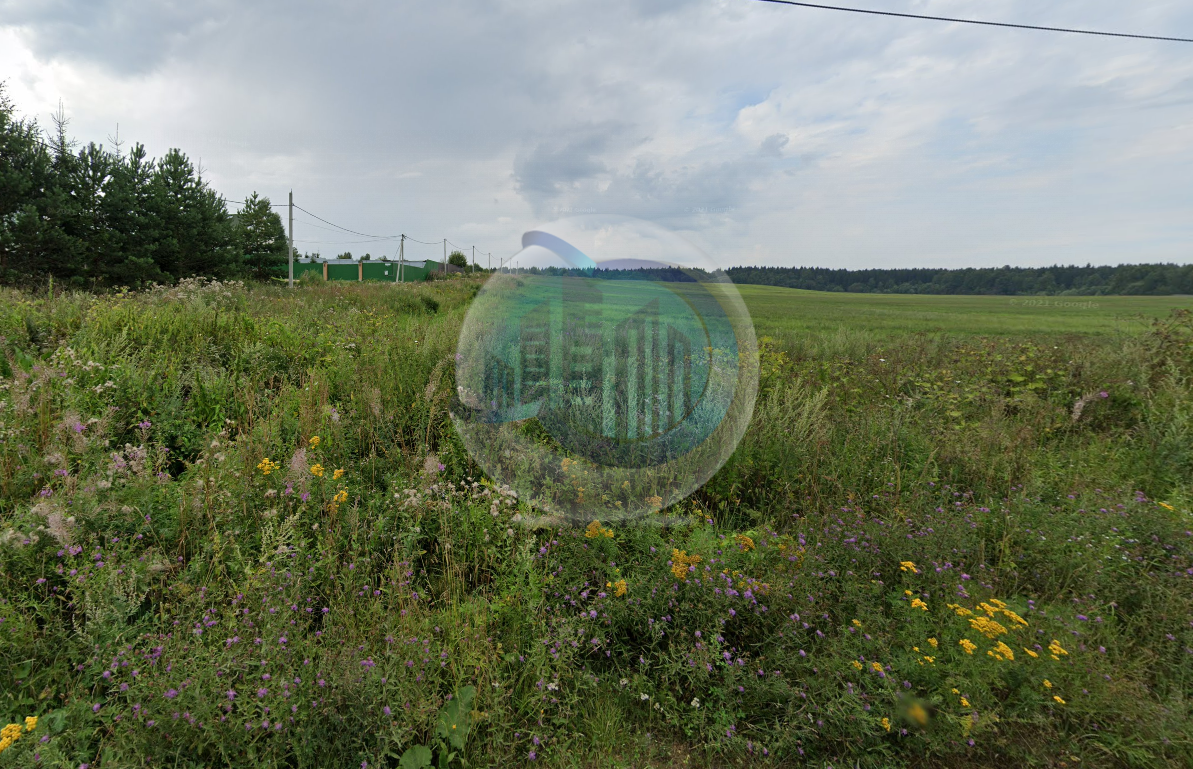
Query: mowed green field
x=777, y=311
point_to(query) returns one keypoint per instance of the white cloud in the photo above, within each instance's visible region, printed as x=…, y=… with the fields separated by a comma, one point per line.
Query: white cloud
x=767, y=134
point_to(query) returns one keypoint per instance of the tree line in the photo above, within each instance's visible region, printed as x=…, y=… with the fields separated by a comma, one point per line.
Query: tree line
x=1154, y=279
x=93, y=217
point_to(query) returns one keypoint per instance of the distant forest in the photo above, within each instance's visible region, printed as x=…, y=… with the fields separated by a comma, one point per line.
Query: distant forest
x=93, y=217
x=1137, y=279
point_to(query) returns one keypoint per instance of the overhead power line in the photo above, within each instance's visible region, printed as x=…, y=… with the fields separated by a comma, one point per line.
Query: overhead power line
x=345, y=229
x=974, y=21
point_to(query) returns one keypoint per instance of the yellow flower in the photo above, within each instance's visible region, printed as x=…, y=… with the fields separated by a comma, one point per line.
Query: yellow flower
x=317, y=470
x=956, y=691
x=314, y=441
x=1002, y=652
x=1058, y=699
x=918, y=714
x=338, y=474
x=619, y=588
x=1047, y=684
x=655, y=502
x=857, y=623
x=906, y=592
x=30, y=723
x=964, y=703
x=1030, y=652
x=876, y=667
x=933, y=642
x=931, y=660
x=1014, y=617
x=908, y=566
x=967, y=645
x=960, y=610
x=680, y=561
x=886, y=724
x=1056, y=648
x=595, y=529
x=565, y=464
x=266, y=466
x=1165, y=505
x=987, y=627
x=744, y=543
x=857, y=664
x=918, y=604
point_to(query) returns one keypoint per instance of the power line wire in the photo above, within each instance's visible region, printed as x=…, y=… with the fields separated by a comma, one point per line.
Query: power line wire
x=345, y=229
x=974, y=21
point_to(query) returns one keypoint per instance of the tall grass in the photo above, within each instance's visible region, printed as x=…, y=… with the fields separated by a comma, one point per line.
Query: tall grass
x=171, y=598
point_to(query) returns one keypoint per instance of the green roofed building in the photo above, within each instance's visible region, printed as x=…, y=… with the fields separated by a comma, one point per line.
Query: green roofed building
x=360, y=270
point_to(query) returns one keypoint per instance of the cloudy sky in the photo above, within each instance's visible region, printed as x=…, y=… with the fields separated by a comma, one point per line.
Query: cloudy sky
x=765, y=134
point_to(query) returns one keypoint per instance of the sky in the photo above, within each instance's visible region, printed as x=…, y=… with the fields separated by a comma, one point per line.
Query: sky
x=763, y=134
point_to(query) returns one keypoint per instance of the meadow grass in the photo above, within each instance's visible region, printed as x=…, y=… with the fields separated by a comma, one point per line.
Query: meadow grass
x=237, y=528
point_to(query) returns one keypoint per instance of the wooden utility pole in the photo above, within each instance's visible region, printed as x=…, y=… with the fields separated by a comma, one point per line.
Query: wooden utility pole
x=401, y=258
x=445, y=256
x=291, y=281
x=474, y=258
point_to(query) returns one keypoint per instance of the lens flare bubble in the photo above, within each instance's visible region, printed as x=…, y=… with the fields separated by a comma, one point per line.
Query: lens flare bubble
x=607, y=371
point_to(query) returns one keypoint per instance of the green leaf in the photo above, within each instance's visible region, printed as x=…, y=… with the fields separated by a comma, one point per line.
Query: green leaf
x=416, y=757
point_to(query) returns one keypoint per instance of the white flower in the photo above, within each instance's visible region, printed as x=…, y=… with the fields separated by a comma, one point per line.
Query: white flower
x=623, y=682
x=645, y=697
x=695, y=702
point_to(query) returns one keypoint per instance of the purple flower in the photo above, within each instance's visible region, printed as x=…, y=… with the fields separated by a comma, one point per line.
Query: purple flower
x=231, y=694
x=262, y=692
x=386, y=710
x=171, y=694
x=95, y=708
x=532, y=755
x=145, y=425
x=1103, y=394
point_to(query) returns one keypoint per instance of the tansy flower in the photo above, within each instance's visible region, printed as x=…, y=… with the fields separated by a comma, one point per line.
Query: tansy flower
x=960, y=610
x=681, y=561
x=918, y=604
x=314, y=441
x=933, y=642
x=857, y=664
x=1030, y=652
x=967, y=645
x=964, y=703
x=918, y=714
x=266, y=466
x=886, y=724
x=744, y=543
x=1002, y=652
x=876, y=667
x=1165, y=505
x=338, y=474
x=987, y=627
x=956, y=691
x=1058, y=699
x=908, y=566
x=857, y=623
x=619, y=588
x=1047, y=684
x=317, y=470
x=30, y=723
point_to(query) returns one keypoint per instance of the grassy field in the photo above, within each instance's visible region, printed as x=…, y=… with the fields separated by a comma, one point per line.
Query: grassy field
x=788, y=311
x=237, y=529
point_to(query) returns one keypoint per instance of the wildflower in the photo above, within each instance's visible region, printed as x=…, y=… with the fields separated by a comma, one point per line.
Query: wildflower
x=30, y=723
x=1058, y=699
x=876, y=667
x=961, y=611
x=857, y=623
x=1002, y=652
x=964, y=703
x=565, y=464
x=918, y=714
x=933, y=642
x=857, y=664
x=338, y=474
x=744, y=543
x=918, y=604
x=619, y=588
x=655, y=502
x=931, y=660
x=314, y=441
x=266, y=466
x=987, y=627
x=8, y=735
x=695, y=702
x=967, y=645
x=908, y=566
x=681, y=562
x=1056, y=649
x=886, y=724
x=1014, y=617
x=317, y=470
x=956, y=691
x=1166, y=506
x=1030, y=653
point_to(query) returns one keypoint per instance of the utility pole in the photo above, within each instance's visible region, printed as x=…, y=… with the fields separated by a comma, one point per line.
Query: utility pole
x=490, y=260
x=291, y=283
x=445, y=256
x=474, y=258
x=401, y=257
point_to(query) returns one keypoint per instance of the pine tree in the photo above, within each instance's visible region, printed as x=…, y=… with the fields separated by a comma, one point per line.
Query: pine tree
x=262, y=239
